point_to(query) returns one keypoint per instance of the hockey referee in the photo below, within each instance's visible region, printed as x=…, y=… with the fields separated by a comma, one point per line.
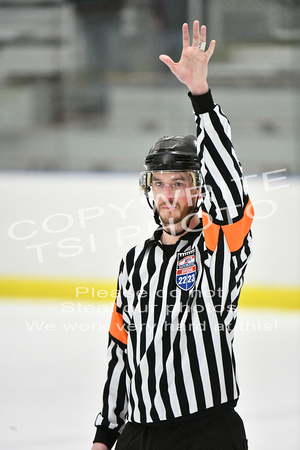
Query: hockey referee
x=171, y=381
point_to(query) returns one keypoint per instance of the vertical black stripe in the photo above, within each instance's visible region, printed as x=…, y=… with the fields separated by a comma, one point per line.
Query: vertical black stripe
x=210, y=353
x=141, y=404
x=179, y=379
x=144, y=300
x=151, y=350
x=195, y=369
x=122, y=394
x=229, y=177
x=166, y=344
x=216, y=123
x=227, y=363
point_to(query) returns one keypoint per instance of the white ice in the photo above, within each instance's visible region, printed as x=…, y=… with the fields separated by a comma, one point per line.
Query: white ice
x=53, y=365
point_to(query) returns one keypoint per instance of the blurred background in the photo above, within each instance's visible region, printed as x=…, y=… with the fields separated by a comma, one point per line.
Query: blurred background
x=82, y=88
x=83, y=97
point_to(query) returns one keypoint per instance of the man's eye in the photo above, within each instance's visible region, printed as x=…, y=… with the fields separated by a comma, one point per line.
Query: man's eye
x=178, y=184
x=157, y=184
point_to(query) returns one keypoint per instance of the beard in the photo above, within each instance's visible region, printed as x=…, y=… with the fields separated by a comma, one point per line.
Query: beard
x=175, y=216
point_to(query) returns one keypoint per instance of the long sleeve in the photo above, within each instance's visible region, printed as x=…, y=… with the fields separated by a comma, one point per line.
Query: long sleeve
x=112, y=418
x=225, y=203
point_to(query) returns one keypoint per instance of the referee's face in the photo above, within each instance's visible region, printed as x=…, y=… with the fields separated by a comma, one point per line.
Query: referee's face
x=175, y=196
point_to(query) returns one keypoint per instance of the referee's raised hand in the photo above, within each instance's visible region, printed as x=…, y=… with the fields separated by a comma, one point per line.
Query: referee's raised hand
x=191, y=69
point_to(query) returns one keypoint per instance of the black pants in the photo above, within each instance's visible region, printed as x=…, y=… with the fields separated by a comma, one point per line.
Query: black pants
x=225, y=432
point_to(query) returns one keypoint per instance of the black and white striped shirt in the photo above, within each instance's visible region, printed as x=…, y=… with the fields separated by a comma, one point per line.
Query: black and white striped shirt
x=170, y=342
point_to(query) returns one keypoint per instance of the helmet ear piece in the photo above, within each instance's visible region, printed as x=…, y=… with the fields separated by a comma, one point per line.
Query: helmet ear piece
x=145, y=181
x=196, y=177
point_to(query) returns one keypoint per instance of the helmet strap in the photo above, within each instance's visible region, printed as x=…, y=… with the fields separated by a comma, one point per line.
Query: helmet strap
x=158, y=221
x=180, y=232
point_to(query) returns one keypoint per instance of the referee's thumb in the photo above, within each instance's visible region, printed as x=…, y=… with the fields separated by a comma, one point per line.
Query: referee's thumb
x=167, y=60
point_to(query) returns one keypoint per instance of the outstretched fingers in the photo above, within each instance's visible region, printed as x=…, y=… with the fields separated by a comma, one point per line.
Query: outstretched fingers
x=202, y=36
x=185, y=35
x=197, y=34
x=211, y=49
x=168, y=61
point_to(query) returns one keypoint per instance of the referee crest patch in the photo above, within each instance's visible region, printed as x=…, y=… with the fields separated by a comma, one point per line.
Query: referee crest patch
x=186, y=270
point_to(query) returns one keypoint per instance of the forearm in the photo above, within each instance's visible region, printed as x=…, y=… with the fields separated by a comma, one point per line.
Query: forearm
x=114, y=401
x=105, y=437
x=221, y=172
x=224, y=196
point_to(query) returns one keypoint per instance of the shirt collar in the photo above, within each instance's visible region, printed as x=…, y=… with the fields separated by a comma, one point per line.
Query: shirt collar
x=188, y=237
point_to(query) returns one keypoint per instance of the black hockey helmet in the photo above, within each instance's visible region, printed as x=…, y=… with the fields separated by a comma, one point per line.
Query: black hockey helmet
x=172, y=153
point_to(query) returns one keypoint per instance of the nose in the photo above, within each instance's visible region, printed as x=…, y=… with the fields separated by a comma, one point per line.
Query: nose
x=168, y=191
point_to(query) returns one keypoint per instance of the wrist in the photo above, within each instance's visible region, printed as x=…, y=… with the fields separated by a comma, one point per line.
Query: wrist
x=202, y=103
x=199, y=89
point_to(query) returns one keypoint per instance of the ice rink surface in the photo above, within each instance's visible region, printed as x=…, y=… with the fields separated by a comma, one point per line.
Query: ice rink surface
x=53, y=366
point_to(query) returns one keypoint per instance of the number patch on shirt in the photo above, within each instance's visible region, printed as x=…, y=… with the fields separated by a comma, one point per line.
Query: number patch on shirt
x=186, y=270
